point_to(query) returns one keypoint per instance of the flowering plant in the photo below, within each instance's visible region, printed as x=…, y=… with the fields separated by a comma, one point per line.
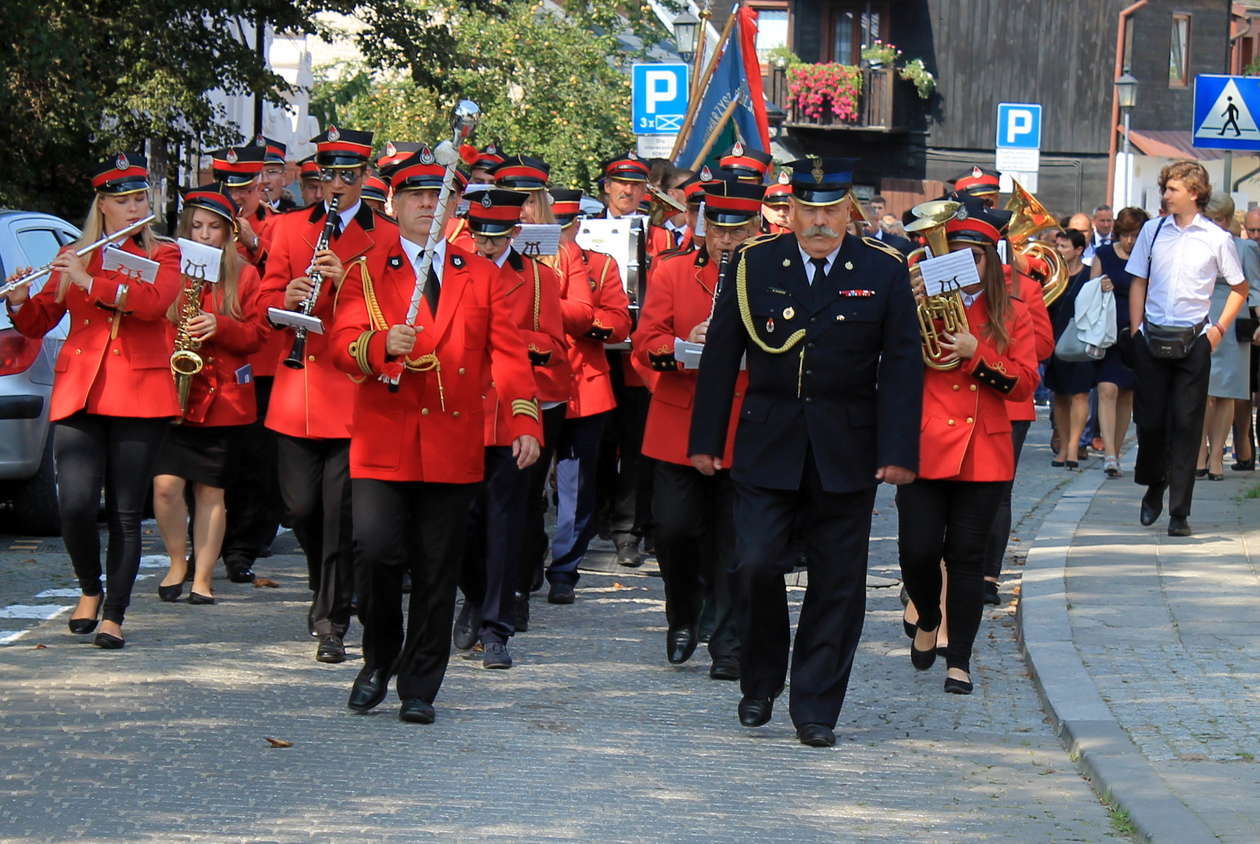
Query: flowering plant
x=880, y=53
x=924, y=81
x=827, y=88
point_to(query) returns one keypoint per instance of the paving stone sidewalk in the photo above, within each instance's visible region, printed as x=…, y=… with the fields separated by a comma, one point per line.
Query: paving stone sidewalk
x=590, y=737
x=1166, y=628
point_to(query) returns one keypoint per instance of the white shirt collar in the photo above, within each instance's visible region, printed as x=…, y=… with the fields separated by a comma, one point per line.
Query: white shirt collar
x=1199, y=222
x=970, y=298
x=502, y=259
x=830, y=259
x=413, y=251
x=346, y=214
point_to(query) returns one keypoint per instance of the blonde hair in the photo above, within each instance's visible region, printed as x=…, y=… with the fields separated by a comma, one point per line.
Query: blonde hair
x=1193, y=175
x=227, y=291
x=94, y=229
x=542, y=207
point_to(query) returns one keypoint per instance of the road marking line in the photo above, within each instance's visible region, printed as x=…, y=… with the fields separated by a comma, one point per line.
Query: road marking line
x=42, y=612
x=60, y=593
x=154, y=561
x=8, y=637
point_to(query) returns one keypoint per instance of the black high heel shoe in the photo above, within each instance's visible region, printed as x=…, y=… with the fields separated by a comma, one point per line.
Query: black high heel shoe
x=958, y=687
x=171, y=593
x=83, y=626
x=197, y=598
x=922, y=660
x=1200, y=473
x=108, y=642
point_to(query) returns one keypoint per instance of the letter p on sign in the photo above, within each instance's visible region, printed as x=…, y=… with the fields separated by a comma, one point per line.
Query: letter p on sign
x=662, y=87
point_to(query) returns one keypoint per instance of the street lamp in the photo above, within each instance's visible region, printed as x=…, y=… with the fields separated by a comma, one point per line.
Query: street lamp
x=686, y=28
x=1126, y=96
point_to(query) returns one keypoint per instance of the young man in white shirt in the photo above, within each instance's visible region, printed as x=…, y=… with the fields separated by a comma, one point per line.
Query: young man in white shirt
x=1175, y=264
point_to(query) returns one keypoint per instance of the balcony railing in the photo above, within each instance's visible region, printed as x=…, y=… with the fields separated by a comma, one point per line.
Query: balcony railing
x=875, y=113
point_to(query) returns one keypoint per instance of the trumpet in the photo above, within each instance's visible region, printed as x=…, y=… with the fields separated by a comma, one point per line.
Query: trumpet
x=665, y=199
x=297, y=355
x=945, y=308
x=1028, y=218
x=35, y=275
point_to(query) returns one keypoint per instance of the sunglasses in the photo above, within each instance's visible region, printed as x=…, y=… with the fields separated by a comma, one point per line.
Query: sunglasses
x=348, y=175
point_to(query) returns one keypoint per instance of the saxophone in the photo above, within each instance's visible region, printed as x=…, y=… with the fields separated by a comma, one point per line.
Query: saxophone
x=185, y=361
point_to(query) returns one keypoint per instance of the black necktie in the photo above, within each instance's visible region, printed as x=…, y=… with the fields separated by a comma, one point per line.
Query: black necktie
x=336, y=227
x=432, y=288
x=820, y=269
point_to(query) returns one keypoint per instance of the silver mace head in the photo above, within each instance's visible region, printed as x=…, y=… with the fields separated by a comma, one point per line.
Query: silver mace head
x=464, y=119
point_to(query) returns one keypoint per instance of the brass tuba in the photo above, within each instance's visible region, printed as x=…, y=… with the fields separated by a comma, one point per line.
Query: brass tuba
x=944, y=308
x=1028, y=218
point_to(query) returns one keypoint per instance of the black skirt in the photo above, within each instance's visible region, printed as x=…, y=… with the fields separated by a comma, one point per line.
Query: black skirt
x=198, y=454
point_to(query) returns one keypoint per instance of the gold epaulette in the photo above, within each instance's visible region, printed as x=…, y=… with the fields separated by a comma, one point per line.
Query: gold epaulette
x=758, y=240
x=885, y=248
x=525, y=407
x=745, y=312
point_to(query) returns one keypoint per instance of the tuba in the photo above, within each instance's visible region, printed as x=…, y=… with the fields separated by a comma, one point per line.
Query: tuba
x=946, y=308
x=1028, y=218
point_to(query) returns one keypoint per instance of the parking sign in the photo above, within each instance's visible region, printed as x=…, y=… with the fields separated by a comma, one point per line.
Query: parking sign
x=1019, y=126
x=658, y=98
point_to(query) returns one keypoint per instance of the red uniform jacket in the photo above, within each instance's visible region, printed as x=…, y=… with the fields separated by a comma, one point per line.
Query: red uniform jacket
x=275, y=343
x=576, y=306
x=458, y=234
x=116, y=360
x=221, y=394
x=965, y=433
x=317, y=401
x=679, y=298
x=1029, y=292
x=260, y=221
x=432, y=428
x=533, y=295
x=592, y=390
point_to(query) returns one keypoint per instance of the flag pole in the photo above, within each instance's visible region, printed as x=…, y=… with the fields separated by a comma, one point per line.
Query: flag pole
x=713, y=136
x=705, y=14
x=703, y=84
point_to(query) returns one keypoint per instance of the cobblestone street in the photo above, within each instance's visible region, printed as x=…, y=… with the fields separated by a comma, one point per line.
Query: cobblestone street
x=590, y=737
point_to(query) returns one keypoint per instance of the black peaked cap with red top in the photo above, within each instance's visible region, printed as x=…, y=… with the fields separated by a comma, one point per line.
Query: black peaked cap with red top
x=732, y=202
x=237, y=167
x=123, y=173
x=747, y=165
x=336, y=147
x=495, y=212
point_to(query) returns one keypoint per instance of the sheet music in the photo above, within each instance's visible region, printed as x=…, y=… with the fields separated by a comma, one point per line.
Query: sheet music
x=537, y=239
x=133, y=266
x=199, y=260
x=949, y=272
x=688, y=354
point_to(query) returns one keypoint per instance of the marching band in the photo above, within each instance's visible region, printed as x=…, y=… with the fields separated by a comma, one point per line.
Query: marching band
x=394, y=367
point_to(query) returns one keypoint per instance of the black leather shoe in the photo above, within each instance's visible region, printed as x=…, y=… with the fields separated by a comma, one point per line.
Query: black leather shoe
x=707, y=622
x=560, y=593
x=1152, y=505
x=171, y=593
x=1244, y=466
x=197, y=599
x=83, y=626
x=416, y=711
x=922, y=660
x=241, y=574
x=497, y=656
x=680, y=644
x=816, y=735
x=991, y=593
x=108, y=642
x=369, y=688
x=467, y=626
x=310, y=622
x=957, y=687
x=724, y=668
x=520, y=612
x=628, y=550
x=1178, y=526
x=755, y=711
x=331, y=649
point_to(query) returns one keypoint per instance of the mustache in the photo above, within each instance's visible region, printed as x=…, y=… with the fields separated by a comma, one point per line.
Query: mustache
x=820, y=231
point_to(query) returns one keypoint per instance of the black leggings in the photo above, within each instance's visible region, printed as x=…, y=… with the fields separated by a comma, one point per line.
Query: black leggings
x=115, y=452
x=947, y=520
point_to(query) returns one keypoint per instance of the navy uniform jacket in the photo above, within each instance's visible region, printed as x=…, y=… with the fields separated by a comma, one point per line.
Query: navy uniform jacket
x=834, y=367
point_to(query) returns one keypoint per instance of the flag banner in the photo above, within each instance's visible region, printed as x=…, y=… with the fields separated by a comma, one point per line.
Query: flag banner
x=736, y=78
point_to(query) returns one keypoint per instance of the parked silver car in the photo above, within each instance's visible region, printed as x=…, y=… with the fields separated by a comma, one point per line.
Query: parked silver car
x=27, y=473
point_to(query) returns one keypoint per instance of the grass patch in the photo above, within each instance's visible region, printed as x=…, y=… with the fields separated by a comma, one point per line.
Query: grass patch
x=1120, y=820
x=1254, y=492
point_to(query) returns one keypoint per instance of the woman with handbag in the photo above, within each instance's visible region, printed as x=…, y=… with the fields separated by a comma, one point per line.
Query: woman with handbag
x=1115, y=378
x=1070, y=381
x=1230, y=377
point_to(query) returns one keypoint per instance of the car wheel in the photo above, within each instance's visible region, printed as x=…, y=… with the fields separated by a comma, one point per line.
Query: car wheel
x=35, y=510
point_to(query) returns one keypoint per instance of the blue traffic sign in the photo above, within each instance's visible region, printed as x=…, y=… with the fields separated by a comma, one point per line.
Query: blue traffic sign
x=658, y=98
x=1019, y=126
x=1224, y=112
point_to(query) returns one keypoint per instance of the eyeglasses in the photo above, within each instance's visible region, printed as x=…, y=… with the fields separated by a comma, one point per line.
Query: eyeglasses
x=349, y=175
x=1255, y=231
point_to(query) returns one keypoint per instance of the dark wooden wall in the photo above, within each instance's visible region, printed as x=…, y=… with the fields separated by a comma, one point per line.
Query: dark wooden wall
x=1158, y=105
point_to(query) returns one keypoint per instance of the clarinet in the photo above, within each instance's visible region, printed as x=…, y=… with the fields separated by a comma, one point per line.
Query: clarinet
x=297, y=355
x=717, y=286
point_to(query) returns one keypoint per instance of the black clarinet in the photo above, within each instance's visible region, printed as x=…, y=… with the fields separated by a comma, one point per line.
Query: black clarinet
x=297, y=355
x=717, y=285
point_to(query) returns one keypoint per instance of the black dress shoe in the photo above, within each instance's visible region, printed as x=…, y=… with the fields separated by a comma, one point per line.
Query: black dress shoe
x=680, y=644
x=957, y=687
x=1200, y=473
x=724, y=668
x=416, y=711
x=708, y=621
x=991, y=593
x=520, y=612
x=467, y=626
x=922, y=660
x=241, y=574
x=1178, y=526
x=310, y=622
x=369, y=688
x=84, y=626
x=497, y=656
x=171, y=593
x=755, y=711
x=1212, y=476
x=1244, y=466
x=628, y=550
x=816, y=735
x=560, y=593
x=108, y=642
x=907, y=628
x=200, y=600
x=331, y=649
x=1152, y=505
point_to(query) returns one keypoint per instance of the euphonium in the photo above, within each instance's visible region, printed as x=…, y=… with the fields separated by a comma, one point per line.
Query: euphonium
x=185, y=361
x=1028, y=218
x=947, y=307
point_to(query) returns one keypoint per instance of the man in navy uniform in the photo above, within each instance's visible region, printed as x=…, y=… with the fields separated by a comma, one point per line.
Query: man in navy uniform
x=835, y=380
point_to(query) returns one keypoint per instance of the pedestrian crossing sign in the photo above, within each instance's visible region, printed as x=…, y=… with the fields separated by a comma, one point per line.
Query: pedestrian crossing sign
x=1225, y=109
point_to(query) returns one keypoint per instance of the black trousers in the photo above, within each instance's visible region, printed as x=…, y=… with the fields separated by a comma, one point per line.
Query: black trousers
x=315, y=486
x=1168, y=406
x=536, y=542
x=492, y=553
x=624, y=477
x=254, y=505
x=1000, y=534
x=116, y=453
x=695, y=546
x=947, y=520
x=835, y=531
x=417, y=528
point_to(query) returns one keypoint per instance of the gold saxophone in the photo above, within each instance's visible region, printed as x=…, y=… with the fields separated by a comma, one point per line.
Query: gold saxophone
x=185, y=361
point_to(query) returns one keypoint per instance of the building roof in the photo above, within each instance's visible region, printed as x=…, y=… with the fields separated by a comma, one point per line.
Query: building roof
x=1171, y=143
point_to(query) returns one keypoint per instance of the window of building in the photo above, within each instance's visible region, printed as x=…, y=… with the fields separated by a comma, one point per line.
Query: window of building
x=848, y=26
x=772, y=29
x=1179, y=52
